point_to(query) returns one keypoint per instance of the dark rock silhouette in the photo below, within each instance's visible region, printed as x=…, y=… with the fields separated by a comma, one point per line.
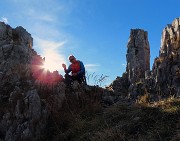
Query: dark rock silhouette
x=24, y=87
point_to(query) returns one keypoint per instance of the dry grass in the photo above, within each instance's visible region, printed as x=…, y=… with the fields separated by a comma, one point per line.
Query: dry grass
x=94, y=79
x=85, y=120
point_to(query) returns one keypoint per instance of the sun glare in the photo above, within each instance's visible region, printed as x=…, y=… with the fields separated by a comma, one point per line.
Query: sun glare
x=46, y=66
x=49, y=65
x=52, y=65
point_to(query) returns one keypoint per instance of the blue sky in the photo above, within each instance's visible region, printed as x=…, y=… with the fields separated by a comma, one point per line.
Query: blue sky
x=95, y=31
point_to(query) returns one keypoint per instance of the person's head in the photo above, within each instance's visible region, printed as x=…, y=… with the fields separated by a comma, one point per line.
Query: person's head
x=72, y=59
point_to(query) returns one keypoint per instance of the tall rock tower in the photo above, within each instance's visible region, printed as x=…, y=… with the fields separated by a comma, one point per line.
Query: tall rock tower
x=138, y=55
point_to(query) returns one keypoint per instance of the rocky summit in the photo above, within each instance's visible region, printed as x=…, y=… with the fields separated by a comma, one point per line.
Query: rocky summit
x=36, y=104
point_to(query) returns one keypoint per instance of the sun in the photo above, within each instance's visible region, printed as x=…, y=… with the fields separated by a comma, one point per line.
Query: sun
x=52, y=65
x=53, y=62
x=49, y=66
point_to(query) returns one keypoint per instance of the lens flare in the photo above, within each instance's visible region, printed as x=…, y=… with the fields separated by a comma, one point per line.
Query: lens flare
x=41, y=71
x=47, y=66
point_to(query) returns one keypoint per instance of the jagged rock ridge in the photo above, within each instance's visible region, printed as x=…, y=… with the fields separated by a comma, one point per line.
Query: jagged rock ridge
x=166, y=68
x=24, y=109
x=15, y=54
x=164, y=78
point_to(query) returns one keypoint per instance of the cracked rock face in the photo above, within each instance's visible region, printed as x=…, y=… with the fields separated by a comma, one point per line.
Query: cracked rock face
x=170, y=40
x=24, y=107
x=15, y=56
x=20, y=101
x=138, y=55
x=166, y=68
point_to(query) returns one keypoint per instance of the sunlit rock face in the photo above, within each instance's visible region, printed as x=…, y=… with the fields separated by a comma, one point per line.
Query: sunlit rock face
x=166, y=68
x=170, y=40
x=138, y=55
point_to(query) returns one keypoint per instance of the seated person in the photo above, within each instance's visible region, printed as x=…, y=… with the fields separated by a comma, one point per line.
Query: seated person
x=77, y=70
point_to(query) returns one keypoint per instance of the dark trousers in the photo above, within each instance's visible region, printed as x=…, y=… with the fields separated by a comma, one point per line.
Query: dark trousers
x=80, y=78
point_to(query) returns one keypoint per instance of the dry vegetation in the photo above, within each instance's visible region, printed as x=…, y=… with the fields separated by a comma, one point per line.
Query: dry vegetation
x=84, y=119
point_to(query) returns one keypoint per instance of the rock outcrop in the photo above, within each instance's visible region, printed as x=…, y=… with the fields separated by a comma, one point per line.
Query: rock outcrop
x=138, y=55
x=164, y=78
x=166, y=68
x=118, y=90
x=26, y=100
x=15, y=56
x=138, y=63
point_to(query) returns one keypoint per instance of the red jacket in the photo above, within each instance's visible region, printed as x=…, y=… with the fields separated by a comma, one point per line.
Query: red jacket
x=77, y=67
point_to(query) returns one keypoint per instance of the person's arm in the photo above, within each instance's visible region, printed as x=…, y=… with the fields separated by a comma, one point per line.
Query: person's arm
x=82, y=69
x=66, y=70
